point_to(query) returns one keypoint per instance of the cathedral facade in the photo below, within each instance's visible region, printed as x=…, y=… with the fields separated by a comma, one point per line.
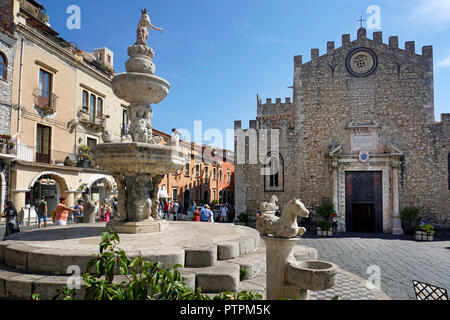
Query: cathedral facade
x=359, y=133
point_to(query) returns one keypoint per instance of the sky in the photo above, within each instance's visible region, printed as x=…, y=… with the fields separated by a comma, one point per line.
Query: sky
x=219, y=54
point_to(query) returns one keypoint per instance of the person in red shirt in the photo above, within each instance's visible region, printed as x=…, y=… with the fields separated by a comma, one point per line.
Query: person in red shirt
x=196, y=215
x=62, y=212
x=166, y=210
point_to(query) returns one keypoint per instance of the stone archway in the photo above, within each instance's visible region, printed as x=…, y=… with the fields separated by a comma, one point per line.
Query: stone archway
x=50, y=185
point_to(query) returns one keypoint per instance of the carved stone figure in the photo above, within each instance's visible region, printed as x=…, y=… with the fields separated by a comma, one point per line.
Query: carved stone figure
x=286, y=226
x=269, y=207
x=107, y=136
x=174, y=139
x=142, y=30
x=89, y=209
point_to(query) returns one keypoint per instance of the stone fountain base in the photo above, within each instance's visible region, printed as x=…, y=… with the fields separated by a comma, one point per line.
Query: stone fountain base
x=138, y=227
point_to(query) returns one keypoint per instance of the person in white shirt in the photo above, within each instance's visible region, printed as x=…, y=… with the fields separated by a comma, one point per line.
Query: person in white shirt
x=223, y=213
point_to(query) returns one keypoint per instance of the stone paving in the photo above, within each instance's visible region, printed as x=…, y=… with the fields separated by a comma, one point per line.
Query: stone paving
x=401, y=259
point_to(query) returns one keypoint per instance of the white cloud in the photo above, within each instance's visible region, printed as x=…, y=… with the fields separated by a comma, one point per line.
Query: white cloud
x=246, y=30
x=436, y=12
x=444, y=63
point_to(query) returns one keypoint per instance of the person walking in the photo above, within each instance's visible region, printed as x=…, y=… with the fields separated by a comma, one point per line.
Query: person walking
x=223, y=213
x=41, y=210
x=166, y=210
x=10, y=213
x=62, y=212
x=175, y=211
x=195, y=215
x=206, y=214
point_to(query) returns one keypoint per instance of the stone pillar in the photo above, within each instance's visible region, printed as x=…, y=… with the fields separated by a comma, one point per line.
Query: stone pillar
x=397, y=228
x=334, y=186
x=70, y=199
x=279, y=253
x=18, y=198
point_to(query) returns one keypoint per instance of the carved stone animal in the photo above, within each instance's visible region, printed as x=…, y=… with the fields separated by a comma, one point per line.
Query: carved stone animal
x=286, y=226
x=269, y=206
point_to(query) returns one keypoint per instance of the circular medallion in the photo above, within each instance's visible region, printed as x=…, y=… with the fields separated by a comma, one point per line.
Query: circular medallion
x=364, y=156
x=361, y=62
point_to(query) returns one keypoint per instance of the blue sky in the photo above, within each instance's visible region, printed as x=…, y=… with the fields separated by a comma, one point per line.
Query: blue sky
x=218, y=54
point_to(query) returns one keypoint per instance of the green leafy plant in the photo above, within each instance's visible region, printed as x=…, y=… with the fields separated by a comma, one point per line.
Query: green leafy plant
x=243, y=273
x=36, y=297
x=324, y=225
x=69, y=162
x=138, y=279
x=325, y=211
x=428, y=228
x=244, y=217
x=409, y=217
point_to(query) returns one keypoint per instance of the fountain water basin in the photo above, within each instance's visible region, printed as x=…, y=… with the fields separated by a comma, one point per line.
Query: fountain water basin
x=312, y=275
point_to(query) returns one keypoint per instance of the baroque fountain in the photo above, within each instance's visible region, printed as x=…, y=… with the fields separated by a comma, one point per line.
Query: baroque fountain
x=141, y=160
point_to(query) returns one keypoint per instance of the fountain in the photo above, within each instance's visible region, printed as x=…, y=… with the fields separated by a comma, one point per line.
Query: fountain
x=288, y=278
x=141, y=160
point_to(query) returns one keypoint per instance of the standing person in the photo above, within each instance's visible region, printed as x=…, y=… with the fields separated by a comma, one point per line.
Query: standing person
x=10, y=213
x=62, y=212
x=334, y=221
x=206, y=215
x=175, y=211
x=41, y=210
x=195, y=215
x=231, y=214
x=79, y=210
x=223, y=213
x=166, y=210
x=97, y=211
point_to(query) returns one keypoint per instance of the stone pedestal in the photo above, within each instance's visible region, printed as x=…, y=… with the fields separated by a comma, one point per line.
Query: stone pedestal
x=146, y=226
x=397, y=228
x=279, y=253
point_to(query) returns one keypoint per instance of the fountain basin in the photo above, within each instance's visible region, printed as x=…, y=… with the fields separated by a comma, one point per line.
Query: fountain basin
x=135, y=158
x=312, y=275
x=140, y=88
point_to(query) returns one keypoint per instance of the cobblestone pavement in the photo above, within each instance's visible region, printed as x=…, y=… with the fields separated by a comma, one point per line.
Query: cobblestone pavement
x=401, y=259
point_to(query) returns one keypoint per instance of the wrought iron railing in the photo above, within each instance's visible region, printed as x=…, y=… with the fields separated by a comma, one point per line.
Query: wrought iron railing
x=42, y=155
x=45, y=101
x=96, y=122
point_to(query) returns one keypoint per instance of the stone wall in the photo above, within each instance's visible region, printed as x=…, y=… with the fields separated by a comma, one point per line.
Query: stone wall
x=390, y=109
x=7, y=43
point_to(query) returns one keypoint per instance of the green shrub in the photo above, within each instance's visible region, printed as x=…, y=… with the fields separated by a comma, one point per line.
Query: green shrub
x=243, y=273
x=409, y=217
x=244, y=217
x=142, y=280
x=325, y=211
x=428, y=228
x=324, y=225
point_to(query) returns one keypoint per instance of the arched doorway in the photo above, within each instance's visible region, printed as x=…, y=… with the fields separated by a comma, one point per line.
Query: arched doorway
x=187, y=200
x=206, y=196
x=49, y=187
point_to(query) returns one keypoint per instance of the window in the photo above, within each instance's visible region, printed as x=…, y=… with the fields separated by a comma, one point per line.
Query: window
x=175, y=194
x=43, y=135
x=220, y=175
x=274, y=173
x=206, y=172
x=228, y=175
x=85, y=101
x=186, y=170
x=109, y=58
x=3, y=67
x=214, y=174
x=45, y=84
x=197, y=170
x=92, y=107
x=214, y=194
x=99, y=107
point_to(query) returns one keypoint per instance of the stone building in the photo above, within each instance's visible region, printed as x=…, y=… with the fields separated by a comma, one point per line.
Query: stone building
x=207, y=177
x=360, y=133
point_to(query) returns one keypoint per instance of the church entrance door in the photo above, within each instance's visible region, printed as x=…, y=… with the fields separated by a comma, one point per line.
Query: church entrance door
x=364, y=202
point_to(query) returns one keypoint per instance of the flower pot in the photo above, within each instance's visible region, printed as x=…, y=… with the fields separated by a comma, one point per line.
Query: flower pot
x=429, y=237
x=330, y=233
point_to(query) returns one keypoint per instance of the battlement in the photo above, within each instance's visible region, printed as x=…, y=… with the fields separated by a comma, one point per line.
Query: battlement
x=445, y=117
x=269, y=102
x=410, y=46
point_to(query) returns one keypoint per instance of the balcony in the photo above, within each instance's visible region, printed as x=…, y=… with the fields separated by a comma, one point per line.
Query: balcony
x=94, y=122
x=45, y=101
x=8, y=147
x=51, y=157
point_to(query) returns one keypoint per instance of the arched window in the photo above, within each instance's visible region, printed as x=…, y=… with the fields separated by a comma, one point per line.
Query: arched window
x=3, y=67
x=274, y=173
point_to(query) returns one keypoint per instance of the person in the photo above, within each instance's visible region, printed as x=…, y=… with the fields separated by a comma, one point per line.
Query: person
x=223, y=213
x=10, y=213
x=231, y=214
x=175, y=211
x=97, y=211
x=62, y=212
x=258, y=215
x=105, y=212
x=334, y=221
x=166, y=210
x=114, y=207
x=41, y=210
x=206, y=215
x=79, y=210
x=195, y=215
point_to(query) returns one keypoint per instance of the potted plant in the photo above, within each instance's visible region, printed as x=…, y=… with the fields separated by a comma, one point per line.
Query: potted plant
x=425, y=232
x=409, y=218
x=324, y=213
x=85, y=155
x=324, y=229
x=69, y=162
x=243, y=219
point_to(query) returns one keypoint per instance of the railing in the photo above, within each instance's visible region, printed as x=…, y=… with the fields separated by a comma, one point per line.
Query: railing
x=8, y=145
x=96, y=122
x=53, y=157
x=45, y=101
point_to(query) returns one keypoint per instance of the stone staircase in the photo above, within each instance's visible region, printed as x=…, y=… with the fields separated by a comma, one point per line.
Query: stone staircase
x=214, y=268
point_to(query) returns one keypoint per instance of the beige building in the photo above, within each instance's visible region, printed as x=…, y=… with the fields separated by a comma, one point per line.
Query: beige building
x=62, y=102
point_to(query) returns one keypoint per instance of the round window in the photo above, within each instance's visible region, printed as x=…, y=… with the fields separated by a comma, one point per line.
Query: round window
x=361, y=62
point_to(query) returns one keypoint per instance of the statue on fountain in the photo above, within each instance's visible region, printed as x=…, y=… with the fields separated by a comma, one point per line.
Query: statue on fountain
x=142, y=30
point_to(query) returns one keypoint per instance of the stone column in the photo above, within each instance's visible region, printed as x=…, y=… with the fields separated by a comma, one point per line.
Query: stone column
x=18, y=198
x=397, y=228
x=334, y=186
x=279, y=253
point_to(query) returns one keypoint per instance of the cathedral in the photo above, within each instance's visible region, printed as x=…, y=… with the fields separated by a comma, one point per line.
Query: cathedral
x=359, y=133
